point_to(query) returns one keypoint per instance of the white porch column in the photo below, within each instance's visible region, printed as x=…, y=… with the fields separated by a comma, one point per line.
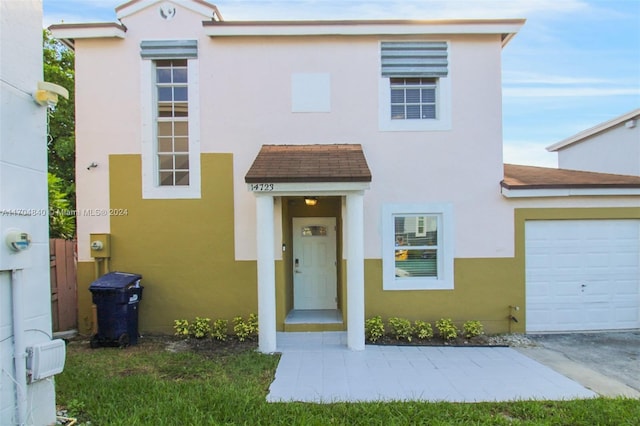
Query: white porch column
x=266, y=274
x=355, y=272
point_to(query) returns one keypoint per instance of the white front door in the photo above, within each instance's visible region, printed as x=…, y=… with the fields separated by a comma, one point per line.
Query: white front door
x=582, y=275
x=314, y=263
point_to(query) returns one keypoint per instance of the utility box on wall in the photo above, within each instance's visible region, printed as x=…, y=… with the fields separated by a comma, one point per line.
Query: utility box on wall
x=15, y=240
x=100, y=245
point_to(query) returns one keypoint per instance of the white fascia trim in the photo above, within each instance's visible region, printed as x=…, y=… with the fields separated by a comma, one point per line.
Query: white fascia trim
x=593, y=130
x=357, y=29
x=569, y=192
x=311, y=188
x=88, y=32
x=143, y=4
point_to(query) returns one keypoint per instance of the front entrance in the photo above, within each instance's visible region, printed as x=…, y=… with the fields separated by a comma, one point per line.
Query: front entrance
x=314, y=263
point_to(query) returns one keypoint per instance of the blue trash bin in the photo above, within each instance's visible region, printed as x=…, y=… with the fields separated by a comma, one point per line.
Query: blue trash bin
x=116, y=296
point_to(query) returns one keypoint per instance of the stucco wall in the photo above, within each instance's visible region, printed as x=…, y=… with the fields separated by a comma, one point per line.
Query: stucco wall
x=23, y=186
x=197, y=256
x=616, y=150
x=245, y=101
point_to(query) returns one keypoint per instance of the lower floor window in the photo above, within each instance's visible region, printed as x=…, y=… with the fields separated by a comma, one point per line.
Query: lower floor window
x=417, y=247
x=416, y=251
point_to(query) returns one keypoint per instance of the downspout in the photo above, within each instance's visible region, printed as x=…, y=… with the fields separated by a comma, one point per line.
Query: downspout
x=19, y=349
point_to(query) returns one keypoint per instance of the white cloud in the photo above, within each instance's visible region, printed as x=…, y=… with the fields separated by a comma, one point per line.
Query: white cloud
x=564, y=92
x=523, y=77
x=390, y=9
x=529, y=153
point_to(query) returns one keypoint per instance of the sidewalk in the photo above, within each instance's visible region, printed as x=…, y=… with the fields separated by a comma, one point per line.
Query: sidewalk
x=318, y=367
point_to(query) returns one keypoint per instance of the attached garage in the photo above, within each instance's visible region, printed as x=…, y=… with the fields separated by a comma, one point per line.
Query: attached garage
x=582, y=275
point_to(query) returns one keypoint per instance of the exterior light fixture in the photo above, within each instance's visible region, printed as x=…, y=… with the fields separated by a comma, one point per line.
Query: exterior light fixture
x=311, y=201
x=47, y=94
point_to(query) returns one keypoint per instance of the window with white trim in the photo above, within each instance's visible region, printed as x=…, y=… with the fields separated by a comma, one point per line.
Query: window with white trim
x=170, y=124
x=414, y=90
x=413, y=98
x=417, y=246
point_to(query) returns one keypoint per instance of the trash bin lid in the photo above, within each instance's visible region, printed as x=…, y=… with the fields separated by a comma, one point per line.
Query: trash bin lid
x=115, y=281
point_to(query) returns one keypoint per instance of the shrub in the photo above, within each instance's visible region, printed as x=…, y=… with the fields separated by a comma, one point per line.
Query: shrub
x=401, y=328
x=253, y=324
x=200, y=328
x=374, y=329
x=219, y=329
x=181, y=327
x=447, y=329
x=423, y=330
x=241, y=328
x=472, y=329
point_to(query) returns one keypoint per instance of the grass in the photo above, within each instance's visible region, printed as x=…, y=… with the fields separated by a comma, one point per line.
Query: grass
x=148, y=385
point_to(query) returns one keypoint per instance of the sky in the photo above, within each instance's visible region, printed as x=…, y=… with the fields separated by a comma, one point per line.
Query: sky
x=574, y=64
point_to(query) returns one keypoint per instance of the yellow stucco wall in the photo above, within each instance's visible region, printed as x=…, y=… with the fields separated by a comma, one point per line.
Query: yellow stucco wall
x=184, y=251
x=484, y=290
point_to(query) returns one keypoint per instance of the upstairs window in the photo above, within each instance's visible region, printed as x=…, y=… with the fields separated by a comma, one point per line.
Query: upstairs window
x=172, y=122
x=170, y=111
x=414, y=88
x=413, y=98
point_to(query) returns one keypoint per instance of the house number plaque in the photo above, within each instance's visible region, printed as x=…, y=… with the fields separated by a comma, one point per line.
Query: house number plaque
x=261, y=187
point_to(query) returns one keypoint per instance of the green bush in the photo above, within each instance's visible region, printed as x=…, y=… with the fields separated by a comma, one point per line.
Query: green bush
x=374, y=329
x=472, y=329
x=253, y=324
x=219, y=329
x=423, y=330
x=181, y=327
x=244, y=329
x=401, y=328
x=200, y=328
x=447, y=329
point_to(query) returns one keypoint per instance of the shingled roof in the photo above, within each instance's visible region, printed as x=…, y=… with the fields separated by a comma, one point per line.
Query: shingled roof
x=309, y=163
x=530, y=177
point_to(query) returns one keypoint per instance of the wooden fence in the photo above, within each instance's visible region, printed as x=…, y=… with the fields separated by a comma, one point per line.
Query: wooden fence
x=64, y=306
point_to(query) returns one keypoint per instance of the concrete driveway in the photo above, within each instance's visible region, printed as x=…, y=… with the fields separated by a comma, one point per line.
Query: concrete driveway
x=606, y=362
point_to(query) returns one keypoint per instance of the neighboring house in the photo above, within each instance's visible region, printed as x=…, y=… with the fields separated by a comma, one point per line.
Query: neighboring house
x=28, y=356
x=609, y=147
x=317, y=172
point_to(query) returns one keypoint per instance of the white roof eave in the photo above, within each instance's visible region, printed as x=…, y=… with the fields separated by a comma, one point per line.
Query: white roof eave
x=578, y=137
x=257, y=29
x=70, y=32
x=569, y=192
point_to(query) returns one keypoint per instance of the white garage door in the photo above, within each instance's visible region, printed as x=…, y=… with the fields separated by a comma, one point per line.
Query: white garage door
x=582, y=275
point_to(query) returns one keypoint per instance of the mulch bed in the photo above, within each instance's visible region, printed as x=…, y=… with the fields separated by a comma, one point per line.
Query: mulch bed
x=460, y=341
x=233, y=346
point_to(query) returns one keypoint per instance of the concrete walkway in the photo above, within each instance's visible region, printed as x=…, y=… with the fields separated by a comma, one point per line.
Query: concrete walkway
x=318, y=367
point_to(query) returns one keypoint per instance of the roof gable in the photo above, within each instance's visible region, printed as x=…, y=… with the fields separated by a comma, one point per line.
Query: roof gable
x=602, y=127
x=202, y=7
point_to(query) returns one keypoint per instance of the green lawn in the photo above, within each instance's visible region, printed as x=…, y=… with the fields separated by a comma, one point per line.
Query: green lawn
x=148, y=385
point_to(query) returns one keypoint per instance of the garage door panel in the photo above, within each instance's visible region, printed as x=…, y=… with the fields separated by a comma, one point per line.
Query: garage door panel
x=582, y=275
x=626, y=290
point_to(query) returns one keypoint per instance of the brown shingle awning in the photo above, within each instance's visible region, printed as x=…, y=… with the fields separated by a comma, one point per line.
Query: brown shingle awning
x=530, y=177
x=309, y=163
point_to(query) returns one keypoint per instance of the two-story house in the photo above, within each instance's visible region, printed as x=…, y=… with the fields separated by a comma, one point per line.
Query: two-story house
x=315, y=172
